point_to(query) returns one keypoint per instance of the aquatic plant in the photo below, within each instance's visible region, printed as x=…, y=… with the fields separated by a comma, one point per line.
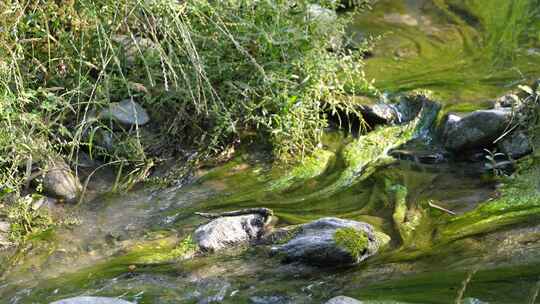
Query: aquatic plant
x=462, y=50
x=519, y=199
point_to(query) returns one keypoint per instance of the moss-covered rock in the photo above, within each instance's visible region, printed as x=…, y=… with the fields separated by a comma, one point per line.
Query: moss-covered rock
x=352, y=240
x=330, y=242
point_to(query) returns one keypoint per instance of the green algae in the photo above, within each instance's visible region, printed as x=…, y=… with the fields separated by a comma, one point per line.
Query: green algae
x=461, y=50
x=352, y=240
x=519, y=203
x=513, y=284
x=311, y=167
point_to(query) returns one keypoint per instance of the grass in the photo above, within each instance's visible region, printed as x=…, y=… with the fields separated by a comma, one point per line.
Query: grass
x=207, y=72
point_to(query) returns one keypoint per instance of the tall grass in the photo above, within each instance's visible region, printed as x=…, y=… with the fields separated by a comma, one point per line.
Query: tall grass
x=208, y=71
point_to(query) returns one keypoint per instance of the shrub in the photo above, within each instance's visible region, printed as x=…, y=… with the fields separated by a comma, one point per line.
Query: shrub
x=208, y=71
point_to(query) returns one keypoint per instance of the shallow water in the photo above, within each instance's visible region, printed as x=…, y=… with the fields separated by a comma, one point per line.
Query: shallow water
x=122, y=246
x=462, y=51
x=137, y=228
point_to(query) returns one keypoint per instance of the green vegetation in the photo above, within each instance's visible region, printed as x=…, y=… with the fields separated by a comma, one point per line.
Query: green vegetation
x=311, y=167
x=24, y=220
x=462, y=50
x=353, y=240
x=206, y=71
x=519, y=200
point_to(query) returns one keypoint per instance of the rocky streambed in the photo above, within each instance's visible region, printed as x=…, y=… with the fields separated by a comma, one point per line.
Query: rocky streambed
x=407, y=212
x=433, y=202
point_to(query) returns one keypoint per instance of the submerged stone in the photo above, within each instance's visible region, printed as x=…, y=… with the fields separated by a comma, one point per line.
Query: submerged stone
x=478, y=129
x=229, y=231
x=515, y=145
x=330, y=242
x=270, y=300
x=127, y=112
x=343, y=300
x=60, y=182
x=91, y=300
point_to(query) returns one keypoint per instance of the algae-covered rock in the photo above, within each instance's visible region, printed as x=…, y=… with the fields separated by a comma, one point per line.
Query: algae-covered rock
x=91, y=300
x=229, y=231
x=330, y=242
x=476, y=130
x=343, y=300
x=60, y=182
x=127, y=112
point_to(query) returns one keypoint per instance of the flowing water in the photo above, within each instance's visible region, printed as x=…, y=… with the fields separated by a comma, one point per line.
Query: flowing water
x=463, y=51
x=125, y=244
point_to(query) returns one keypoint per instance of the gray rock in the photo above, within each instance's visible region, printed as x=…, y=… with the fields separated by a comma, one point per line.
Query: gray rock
x=325, y=18
x=476, y=130
x=315, y=243
x=318, y=13
x=42, y=201
x=127, y=112
x=515, y=145
x=507, y=101
x=135, y=47
x=270, y=300
x=4, y=234
x=473, y=301
x=343, y=300
x=91, y=300
x=379, y=112
x=398, y=109
x=60, y=182
x=229, y=231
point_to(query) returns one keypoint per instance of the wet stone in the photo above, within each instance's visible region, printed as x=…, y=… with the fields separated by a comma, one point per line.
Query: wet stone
x=515, y=145
x=91, y=300
x=476, y=130
x=270, y=300
x=229, y=231
x=329, y=242
x=343, y=300
x=60, y=182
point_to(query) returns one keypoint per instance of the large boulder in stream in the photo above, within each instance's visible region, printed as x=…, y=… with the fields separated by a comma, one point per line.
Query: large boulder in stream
x=91, y=300
x=60, y=182
x=343, y=300
x=232, y=229
x=476, y=130
x=329, y=242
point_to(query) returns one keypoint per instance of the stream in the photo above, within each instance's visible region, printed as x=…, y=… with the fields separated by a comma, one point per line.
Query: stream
x=122, y=244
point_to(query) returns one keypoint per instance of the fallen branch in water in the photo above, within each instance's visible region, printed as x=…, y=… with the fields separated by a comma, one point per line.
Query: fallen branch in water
x=432, y=205
x=262, y=211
